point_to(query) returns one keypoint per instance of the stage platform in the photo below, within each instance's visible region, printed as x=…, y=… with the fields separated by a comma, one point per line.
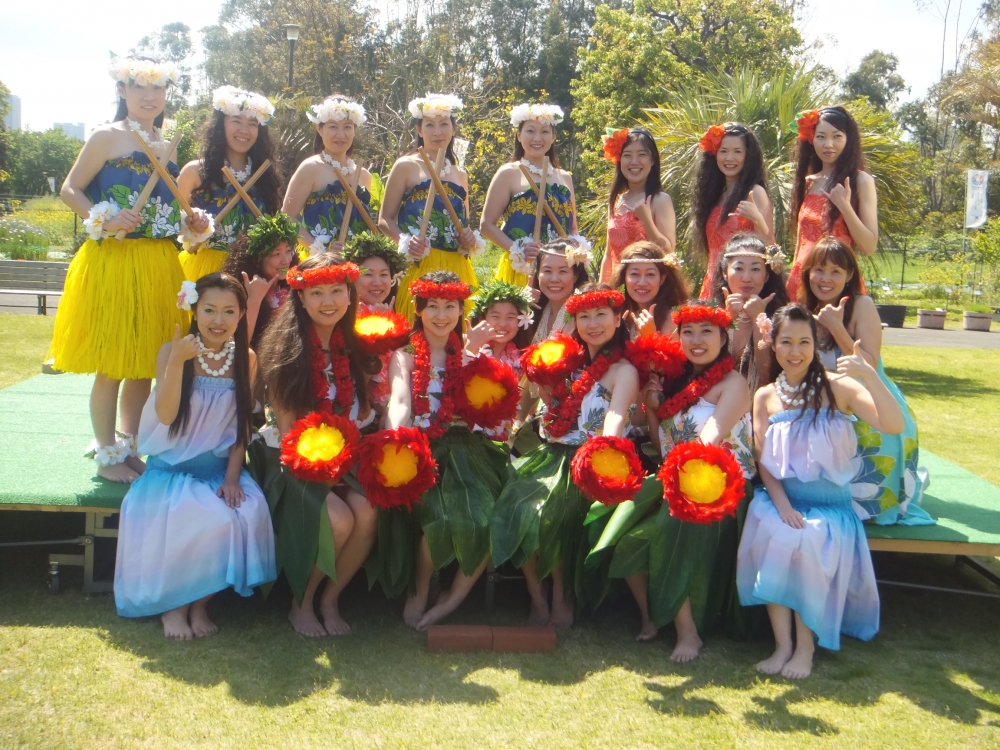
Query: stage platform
x=46, y=424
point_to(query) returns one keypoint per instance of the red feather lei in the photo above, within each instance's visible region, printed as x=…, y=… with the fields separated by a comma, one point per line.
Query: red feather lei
x=388, y=445
x=494, y=411
x=697, y=388
x=701, y=510
x=605, y=488
x=341, y=367
x=656, y=353
x=421, y=406
x=564, y=407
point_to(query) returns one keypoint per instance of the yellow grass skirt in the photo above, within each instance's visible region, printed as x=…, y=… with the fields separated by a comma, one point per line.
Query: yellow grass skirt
x=207, y=260
x=437, y=260
x=118, y=308
x=505, y=272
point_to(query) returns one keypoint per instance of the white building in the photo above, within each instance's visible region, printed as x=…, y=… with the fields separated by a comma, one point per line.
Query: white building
x=13, y=119
x=72, y=129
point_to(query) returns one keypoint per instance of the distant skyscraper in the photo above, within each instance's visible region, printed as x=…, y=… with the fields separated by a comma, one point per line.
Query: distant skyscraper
x=72, y=129
x=13, y=119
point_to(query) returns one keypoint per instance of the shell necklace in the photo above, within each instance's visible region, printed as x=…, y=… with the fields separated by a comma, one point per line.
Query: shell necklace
x=228, y=351
x=346, y=169
x=791, y=395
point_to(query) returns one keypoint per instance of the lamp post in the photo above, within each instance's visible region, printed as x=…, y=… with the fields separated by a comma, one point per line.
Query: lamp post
x=291, y=34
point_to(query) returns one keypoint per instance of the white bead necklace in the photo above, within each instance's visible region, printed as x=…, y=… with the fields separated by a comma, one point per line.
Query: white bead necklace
x=228, y=351
x=151, y=140
x=346, y=169
x=242, y=175
x=789, y=394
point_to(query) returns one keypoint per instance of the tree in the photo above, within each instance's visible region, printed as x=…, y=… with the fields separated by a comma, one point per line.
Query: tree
x=36, y=156
x=876, y=79
x=4, y=135
x=172, y=42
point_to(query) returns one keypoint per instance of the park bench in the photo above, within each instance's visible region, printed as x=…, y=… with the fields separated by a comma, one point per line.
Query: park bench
x=33, y=278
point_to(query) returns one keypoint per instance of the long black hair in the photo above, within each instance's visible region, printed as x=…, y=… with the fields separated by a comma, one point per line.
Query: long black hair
x=620, y=184
x=673, y=291
x=122, y=111
x=773, y=284
x=438, y=277
x=816, y=381
x=710, y=183
x=580, y=277
x=284, y=351
x=620, y=337
x=213, y=158
x=241, y=360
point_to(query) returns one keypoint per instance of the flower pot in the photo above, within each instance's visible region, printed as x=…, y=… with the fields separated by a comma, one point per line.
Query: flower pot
x=974, y=321
x=930, y=319
x=892, y=315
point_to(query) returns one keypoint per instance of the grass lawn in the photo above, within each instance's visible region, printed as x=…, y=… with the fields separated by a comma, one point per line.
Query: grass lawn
x=73, y=674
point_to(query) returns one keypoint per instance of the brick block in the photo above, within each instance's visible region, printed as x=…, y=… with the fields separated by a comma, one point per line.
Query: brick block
x=524, y=640
x=459, y=638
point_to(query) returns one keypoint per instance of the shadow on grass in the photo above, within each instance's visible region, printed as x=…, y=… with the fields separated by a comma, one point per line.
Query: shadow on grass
x=932, y=384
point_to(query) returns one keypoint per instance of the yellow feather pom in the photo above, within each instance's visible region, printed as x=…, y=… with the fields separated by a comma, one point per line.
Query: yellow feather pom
x=548, y=353
x=398, y=467
x=483, y=391
x=609, y=462
x=373, y=325
x=701, y=481
x=320, y=444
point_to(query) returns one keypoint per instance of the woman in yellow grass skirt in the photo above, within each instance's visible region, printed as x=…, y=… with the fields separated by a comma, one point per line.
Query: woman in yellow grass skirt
x=119, y=304
x=443, y=248
x=236, y=136
x=315, y=196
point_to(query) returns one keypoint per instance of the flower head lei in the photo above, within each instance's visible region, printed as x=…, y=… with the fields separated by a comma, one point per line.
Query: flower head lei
x=614, y=143
x=187, y=296
x=772, y=256
x=702, y=314
x=339, y=274
x=590, y=300
x=235, y=102
x=135, y=72
x=575, y=255
x=337, y=108
x=501, y=291
x=547, y=114
x=364, y=245
x=805, y=124
x=712, y=139
x=425, y=289
x=435, y=105
x=269, y=231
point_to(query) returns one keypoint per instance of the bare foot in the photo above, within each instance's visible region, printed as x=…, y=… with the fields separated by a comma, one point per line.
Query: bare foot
x=175, y=624
x=562, y=615
x=413, y=611
x=648, y=632
x=539, y=614
x=120, y=473
x=136, y=464
x=800, y=665
x=687, y=648
x=304, y=621
x=332, y=621
x=441, y=609
x=774, y=663
x=201, y=626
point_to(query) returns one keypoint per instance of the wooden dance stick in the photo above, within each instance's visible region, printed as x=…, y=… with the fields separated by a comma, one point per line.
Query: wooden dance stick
x=440, y=188
x=140, y=202
x=241, y=191
x=246, y=186
x=542, y=200
x=345, y=222
x=164, y=175
x=429, y=204
x=545, y=204
x=353, y=198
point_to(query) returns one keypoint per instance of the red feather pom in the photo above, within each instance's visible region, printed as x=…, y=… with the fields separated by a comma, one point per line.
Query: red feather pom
x=373, y=339
x=701, y=510
x=330, y=470
x=409, y=452
x=656, y=353
x=607, y=488
x=495, y=410
x=539, y=365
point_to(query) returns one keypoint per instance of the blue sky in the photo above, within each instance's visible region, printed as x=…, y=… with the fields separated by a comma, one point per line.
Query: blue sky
x=54, y=53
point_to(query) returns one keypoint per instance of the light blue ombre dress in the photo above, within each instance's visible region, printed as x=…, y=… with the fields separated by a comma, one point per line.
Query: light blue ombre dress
x=824, y=571
x=177, y=540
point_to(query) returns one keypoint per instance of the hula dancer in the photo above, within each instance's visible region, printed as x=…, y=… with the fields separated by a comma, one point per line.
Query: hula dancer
x=638, y=209
x=118, y=307
x=804, y=553
x=513, y=201
x=312, y=365
x=429, y=388
x=444, y=247
x=195, y=523
x=236, y=136
x=832, y=193
x=315, y=193
x=654, y=285
x=730, y=195
x=590, y=391
x=261, y=257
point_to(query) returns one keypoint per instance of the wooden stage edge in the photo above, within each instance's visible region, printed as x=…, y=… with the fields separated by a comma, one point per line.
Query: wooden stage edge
x=925, y=547
x=59, y=508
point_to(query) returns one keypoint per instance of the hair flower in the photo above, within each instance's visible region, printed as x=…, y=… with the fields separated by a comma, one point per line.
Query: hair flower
x=547, y=114
x=712, y=139
x=578, y=251
x=805, y=124
x=337, y=108
x=187, y=296
x=766, y=328
x=614, y=142
x=435, y=105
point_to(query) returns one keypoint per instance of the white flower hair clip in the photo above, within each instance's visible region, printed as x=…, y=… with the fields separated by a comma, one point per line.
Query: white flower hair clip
x=580, y=253
x=134, y=72
x=235, y=102
x=187, y=296
x=547, y=114
x=337, y=108
x=524, y=320
x=434, y=105
x=774, y=258
x=766, y=328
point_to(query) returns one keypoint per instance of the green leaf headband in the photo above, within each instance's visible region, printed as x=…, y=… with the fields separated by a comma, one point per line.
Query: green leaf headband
x=500, y=291
x=269, y=231
x=366, y=245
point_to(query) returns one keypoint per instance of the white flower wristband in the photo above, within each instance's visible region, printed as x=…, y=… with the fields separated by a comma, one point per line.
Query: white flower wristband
x=319, y=243
x=517, y=259
x=100, y=213
x=404, y=247
x=190, y=238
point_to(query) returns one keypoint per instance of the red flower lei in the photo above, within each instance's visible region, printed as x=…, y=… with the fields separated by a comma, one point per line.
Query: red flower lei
x=440, y=421
x=591, y=300
x=717, y=316
x=697, y=388
x=566, y=399
x=339, y=274
x=432, y=290
x=341, y=366
x=712, y=139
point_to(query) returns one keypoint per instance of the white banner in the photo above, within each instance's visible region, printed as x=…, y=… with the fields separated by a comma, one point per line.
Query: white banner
x=975, y=198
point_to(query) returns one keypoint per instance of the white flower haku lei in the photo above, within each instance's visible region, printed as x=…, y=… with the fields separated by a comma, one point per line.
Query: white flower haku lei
x=547, y=114
x=187, y=296
x=517, y=259
x=337, y=109
x=142, y=72
x=434, y=105
x=100, y=213
x=190, y=238
x=319, y=244
x=235, y=102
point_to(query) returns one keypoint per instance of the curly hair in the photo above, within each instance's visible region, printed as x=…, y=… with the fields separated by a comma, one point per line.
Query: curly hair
x=653, y=184
x=673, y=291
x=850, y=162
x=284, y=353
x=773, y=284
x=213, y=158
x=710, y=183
